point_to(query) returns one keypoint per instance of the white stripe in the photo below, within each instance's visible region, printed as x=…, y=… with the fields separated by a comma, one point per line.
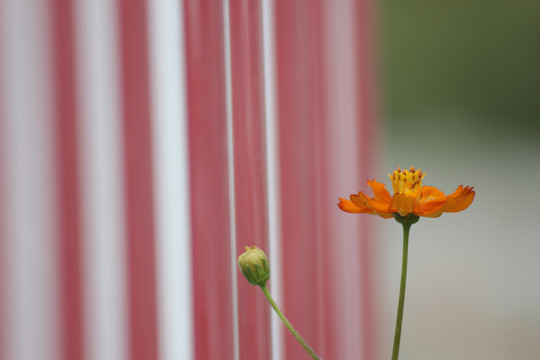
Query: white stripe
x=101, y=174
x=272, y=169
x=171, y=169
x=230, y=158
x=30, y=256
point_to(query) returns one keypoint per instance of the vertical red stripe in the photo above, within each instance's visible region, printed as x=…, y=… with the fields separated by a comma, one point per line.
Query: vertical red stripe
x=67, y=179
x=308, y=204
x=207, y=119
x=140, y=235
x=366, y=85
x=329, y=333
x=299, y=82
x=250, y=168
x=3, y=267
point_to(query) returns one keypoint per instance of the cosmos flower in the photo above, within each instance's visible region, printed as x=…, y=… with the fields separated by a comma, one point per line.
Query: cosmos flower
x=410, y=197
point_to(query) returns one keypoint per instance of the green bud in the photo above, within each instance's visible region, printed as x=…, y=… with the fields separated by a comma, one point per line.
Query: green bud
x=254, y=265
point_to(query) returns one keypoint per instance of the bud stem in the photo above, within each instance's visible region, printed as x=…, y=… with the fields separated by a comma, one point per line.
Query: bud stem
x=399, y=320
x=288, y=324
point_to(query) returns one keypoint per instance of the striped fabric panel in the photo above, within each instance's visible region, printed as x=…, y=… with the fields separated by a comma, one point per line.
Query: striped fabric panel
x=3, y=233
x=143, y=144
x=30, y=258
x=299, y=114
x=3, y=247
x=322, y=137
x=138, y=179
x=67, y=177
x=213, y=265
x=171, y=185
x=102, y=181
x=248, y=122
x=273, y=173
x=366, y=100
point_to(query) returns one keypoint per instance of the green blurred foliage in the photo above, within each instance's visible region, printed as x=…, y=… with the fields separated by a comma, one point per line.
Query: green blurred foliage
x=464, y=60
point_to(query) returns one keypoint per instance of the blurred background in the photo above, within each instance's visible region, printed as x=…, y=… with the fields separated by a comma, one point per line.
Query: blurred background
x=460, y=86
x=144, y=144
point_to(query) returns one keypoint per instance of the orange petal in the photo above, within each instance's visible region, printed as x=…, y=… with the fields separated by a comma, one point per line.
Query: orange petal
x=431, y=200
x=431, y=193
x=386, y=215
x=379, y=191
x=404, y=205
x=433, y=214
x=379, y=205
x=460, y=199
x=348, y=206
x=361, y=205
x=361, y=201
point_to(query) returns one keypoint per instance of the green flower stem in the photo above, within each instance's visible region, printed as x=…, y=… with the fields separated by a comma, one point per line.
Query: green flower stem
x=399, y=320
x=288, y=324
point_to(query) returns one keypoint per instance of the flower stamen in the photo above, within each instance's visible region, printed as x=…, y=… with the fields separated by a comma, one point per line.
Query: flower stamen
x=407, y=182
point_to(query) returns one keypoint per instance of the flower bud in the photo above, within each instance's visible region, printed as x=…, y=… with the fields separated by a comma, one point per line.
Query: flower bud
x=254, y=265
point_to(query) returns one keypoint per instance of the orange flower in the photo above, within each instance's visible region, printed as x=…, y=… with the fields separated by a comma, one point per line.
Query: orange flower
x=410, y=197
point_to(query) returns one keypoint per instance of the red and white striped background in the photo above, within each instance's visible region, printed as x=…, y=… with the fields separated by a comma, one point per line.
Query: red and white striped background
x=144, y=143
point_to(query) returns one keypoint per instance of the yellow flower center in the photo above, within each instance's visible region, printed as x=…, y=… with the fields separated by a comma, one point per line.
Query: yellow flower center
x=407, y=182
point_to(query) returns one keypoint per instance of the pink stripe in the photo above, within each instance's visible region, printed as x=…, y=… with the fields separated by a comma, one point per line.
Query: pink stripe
x=314, y=289
x=365, y=51
x=330, y=331
x=250, y=168
x=138, y=169
x=300, y=109
x=214, y=337
x=3, y=267
x=68, y=180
